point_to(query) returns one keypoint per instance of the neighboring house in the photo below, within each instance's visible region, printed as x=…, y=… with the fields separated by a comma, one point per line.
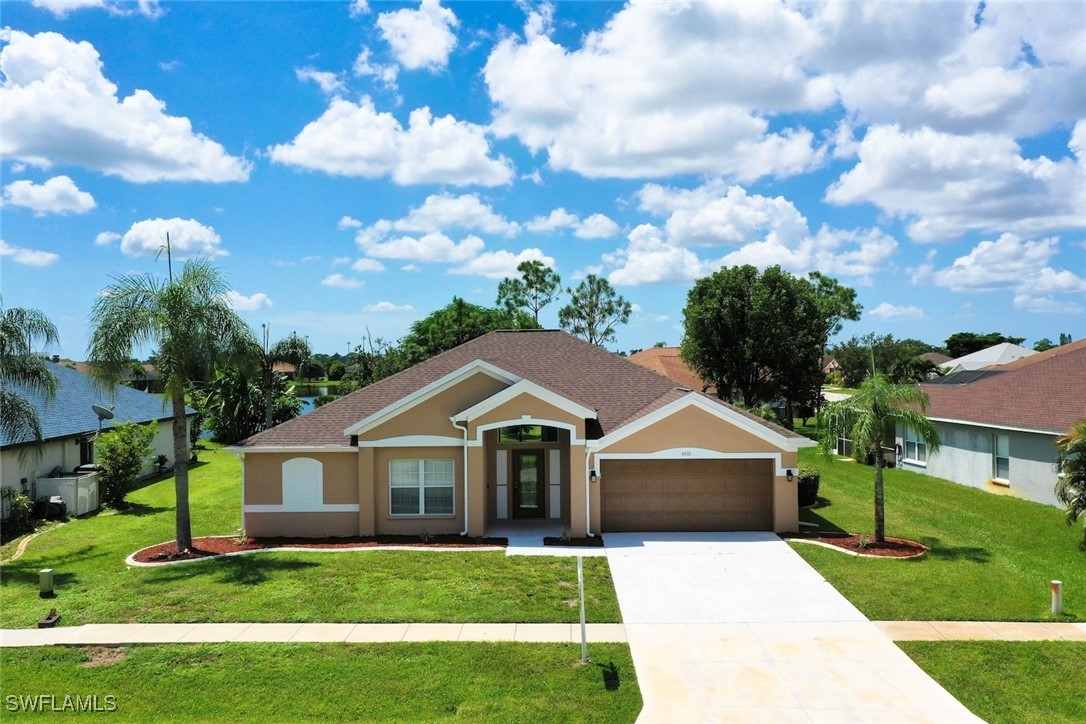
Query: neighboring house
x=666, y=361
x=69, y=427
x=936, y=358
x=829, y=364
x=532, y=425
x=998, y=426
x=1000, y=354
x=284, y=368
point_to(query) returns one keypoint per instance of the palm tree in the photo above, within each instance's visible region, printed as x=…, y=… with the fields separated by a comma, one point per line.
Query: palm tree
x=292, y=349
x=1071, y=484
x=194, y=328
x=865, y=418
x=20, y=329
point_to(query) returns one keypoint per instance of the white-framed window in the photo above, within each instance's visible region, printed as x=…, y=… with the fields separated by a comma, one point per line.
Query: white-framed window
x=1001, y=457
x=421, y=487
x=916, y=449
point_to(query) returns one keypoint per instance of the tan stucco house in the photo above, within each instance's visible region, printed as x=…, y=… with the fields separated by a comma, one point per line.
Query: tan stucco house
x=520, y=425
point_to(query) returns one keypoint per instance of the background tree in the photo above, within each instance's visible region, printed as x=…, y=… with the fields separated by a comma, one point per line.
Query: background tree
x=235, y=405
x=1044, y=344
x=594, y=310
x=960, y=344
x=869, y=419
x=455, y=324
x=1071, y=484
x=755, y=336
x=336, y=370
x=194, y=327
x=376, y=359
x=1065, y=339
x=122, y=453
x=538, y=286
x=22, y=366
x=856, y=355
x=291, y=349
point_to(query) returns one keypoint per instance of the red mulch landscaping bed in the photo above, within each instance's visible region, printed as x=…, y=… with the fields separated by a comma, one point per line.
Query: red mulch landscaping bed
x=867, y=545
x=204, y=547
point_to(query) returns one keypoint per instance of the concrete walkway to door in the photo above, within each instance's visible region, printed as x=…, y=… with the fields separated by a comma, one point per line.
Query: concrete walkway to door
x=737, y=627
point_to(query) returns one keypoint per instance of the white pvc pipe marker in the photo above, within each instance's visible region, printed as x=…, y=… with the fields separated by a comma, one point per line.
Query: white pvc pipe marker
x=1057, y=597
x=580, y=593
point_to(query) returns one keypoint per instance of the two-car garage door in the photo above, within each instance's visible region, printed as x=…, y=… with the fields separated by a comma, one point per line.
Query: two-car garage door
x=686, y=495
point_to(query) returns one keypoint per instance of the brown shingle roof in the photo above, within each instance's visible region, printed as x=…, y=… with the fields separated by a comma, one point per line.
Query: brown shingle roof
x=667, y=362
x=619, y=390
x=1042, y=392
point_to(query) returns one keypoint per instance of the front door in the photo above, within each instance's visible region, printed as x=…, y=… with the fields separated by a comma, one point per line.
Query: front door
x=527, y=484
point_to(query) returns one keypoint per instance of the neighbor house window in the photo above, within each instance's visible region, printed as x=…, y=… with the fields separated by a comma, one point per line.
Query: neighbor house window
x=421, y=487
x=915, y=448
x=1001, y=457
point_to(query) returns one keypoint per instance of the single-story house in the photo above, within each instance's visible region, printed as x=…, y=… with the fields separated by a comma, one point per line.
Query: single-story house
x=999, y=354
x=533, y=425
x=998, y=426
x=936, y=358
x=69, y=427
x=829, y=364
x=668, y=362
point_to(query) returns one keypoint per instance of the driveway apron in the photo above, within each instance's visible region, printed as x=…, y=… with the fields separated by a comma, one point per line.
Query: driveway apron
x=737, y=627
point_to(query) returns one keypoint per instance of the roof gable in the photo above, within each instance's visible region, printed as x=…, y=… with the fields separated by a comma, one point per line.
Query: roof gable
x=530, y=388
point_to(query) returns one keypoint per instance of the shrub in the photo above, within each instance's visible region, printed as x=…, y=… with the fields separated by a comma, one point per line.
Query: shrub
x=20, y=509
x=809, y=479
x=122, y=454
x=322, y=400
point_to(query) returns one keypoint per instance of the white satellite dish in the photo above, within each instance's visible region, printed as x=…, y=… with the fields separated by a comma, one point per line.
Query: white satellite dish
x=104, y=413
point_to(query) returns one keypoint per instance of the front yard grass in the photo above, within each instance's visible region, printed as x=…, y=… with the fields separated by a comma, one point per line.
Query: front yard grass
x=94, y=585
x=1009, y=681
x=337, y=682
x=992, y=556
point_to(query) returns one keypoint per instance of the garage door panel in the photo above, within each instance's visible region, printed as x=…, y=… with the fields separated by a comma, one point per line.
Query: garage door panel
x=687, y=495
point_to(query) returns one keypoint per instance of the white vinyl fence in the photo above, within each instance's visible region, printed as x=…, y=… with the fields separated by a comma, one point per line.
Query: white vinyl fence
x=80, y=493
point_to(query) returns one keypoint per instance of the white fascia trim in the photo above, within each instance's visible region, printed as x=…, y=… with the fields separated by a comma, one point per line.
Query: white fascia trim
x=291, y=449
x=573, y=439
x=697, y=453
x=727, y=415
x=993, y=426
x=326, y=508
x=424, y=393
x=414, y=441
x=525, y=387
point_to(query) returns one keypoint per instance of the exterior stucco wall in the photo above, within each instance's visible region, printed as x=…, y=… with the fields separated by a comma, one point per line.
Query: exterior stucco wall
x=301, y=525
x=264, y=478
x=692, y=427
x=512, y=411
x=966, y=457
x=432, y=416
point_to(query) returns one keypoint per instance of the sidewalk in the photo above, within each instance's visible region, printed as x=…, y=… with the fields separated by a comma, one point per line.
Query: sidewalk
x=112, y=634
x=982, y=631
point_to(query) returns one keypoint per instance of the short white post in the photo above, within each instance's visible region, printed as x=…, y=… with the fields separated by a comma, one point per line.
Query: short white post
x=580, y=592
x=1057, y=597
x=45, y=583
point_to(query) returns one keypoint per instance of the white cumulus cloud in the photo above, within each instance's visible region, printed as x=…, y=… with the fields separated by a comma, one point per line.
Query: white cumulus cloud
x=421, y=38
x=432, y=247
x=188, y=238
x=340, y=282
x=501, y=264
x=368, y=265
x=896, y=311
x=106, y=238
x=58, y=195
x=595, y=226
x=329, y=82
x=28, y=257
x=59, y=108
x=351, y=139
x=387, y=308
x=252, y=303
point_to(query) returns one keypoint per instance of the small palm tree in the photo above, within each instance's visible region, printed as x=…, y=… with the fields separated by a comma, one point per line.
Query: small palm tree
x=1071, y=484
x=864, y=418
x=20, y=330
x=292, y=349
x=194, y=327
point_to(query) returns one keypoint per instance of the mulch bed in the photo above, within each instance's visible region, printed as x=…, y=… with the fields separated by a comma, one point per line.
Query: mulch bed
x=204, y=547
x=892, y=548
x=594, y=542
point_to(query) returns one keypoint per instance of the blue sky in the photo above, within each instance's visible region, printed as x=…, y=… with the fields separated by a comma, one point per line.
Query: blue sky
x=352, y=166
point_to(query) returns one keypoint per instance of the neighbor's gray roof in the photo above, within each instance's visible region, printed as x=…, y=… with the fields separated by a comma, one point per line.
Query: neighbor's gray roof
x=619, y=390
x=70, y=413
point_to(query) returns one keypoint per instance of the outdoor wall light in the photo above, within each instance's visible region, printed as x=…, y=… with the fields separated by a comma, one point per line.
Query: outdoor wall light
x=789, y=475
x=592, y=477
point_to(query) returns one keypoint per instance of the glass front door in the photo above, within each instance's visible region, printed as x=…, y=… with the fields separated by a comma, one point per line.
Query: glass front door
x=527, y=484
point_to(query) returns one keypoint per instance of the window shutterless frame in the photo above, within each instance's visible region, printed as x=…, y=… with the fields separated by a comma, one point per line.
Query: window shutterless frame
x=421, y=487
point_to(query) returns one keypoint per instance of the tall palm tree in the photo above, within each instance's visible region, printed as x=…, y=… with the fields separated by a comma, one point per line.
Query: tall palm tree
x=865, y=418
x=194, y=328
x=20, y=330
x=1071, y=484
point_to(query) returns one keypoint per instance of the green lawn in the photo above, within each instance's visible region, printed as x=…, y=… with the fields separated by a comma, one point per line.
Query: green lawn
x=94, y=585
x=992, y=556
x=1014, y=682
x=508, y=682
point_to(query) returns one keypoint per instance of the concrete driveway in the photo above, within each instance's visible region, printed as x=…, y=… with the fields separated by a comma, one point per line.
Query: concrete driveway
x=737, y=627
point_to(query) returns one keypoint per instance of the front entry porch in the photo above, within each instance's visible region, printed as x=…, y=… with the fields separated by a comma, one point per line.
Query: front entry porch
x=528, y=476
x=526, y=538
